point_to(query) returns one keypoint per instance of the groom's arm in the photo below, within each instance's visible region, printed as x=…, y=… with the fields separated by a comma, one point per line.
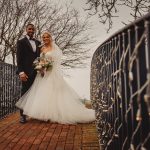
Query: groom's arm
x=19, y=56
x=20, y=59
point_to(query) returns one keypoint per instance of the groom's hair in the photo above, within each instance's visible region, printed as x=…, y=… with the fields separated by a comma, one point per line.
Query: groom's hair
x=29, y=24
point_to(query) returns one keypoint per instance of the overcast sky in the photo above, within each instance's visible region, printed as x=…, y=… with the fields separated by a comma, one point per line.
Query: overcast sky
x=80, y=78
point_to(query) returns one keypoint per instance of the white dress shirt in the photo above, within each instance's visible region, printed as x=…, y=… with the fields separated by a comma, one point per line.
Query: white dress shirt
x=32, y=42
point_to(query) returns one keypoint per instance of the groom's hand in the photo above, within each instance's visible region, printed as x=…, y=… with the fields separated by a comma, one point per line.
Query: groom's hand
x=23, y=77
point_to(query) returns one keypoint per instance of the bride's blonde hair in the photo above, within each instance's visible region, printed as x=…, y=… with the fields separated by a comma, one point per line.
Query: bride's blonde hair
x=48, y=33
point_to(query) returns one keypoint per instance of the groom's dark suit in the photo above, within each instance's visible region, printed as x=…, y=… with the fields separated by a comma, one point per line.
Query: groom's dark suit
x=25, y=58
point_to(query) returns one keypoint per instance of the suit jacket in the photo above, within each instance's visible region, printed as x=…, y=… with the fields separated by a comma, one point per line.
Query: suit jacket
x=26, y=56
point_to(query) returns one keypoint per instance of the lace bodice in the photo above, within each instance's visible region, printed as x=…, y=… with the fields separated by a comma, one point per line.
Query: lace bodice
x=47, y=54
x=54, y=54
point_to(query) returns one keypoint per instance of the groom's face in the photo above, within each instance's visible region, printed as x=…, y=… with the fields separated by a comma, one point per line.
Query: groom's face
x=30, y=30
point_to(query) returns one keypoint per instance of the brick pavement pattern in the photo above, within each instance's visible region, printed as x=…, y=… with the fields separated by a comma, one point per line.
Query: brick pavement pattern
x=40, y=135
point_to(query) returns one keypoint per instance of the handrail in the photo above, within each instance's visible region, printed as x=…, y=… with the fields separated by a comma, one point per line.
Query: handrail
x=120, y=87
x=9, y=89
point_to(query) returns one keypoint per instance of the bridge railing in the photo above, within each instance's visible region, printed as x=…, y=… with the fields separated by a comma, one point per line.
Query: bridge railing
x=120, y=88
x=9, y=89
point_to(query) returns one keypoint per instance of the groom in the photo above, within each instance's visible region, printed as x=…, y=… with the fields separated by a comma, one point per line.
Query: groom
x=27, y=51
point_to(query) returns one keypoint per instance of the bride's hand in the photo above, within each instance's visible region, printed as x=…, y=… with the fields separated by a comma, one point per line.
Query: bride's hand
x=23, y=77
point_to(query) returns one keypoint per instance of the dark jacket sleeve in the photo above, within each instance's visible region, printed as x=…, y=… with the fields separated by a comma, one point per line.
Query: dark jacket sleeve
x=38, y=48
x=19, y=56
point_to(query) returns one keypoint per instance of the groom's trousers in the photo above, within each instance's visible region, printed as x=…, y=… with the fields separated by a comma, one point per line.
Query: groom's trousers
x=25, y=87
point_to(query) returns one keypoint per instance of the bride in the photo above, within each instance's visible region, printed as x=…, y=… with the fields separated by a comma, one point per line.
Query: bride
x=50, y=97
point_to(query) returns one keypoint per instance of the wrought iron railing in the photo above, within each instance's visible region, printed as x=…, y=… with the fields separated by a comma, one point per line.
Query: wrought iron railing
x=9, y=89
x=120, y=88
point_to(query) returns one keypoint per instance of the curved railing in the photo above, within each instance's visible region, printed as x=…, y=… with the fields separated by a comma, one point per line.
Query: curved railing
x=9, y=89
x=120, y=88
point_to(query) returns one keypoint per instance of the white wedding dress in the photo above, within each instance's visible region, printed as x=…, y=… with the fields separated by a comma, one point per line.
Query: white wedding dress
x=51, y=98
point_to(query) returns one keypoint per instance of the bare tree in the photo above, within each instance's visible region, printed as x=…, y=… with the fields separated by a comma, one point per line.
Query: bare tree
x=69, y=31
x=107, y=9
x=14, y=16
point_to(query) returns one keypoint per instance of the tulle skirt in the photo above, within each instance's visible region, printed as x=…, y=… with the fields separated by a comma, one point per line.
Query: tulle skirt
x=51, y=98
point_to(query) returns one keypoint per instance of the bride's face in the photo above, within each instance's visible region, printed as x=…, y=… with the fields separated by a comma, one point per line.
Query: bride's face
x=46, y=38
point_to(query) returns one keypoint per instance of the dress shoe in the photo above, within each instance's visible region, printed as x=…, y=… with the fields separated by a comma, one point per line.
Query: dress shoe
x=23, y=119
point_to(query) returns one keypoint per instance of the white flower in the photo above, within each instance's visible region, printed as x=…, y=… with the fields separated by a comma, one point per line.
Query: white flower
x=38, y=67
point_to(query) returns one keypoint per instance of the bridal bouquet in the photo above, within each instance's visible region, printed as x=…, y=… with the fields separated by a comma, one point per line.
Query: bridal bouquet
x=43, y=64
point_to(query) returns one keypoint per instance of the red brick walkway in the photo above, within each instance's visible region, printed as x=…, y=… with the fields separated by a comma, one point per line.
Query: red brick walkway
x=45, y=135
